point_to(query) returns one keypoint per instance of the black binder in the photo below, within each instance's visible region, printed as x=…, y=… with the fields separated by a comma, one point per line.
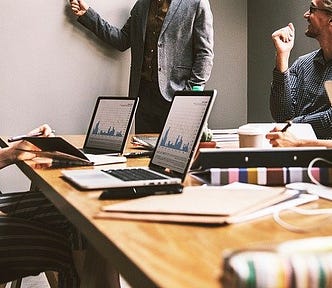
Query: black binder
x=253, y=157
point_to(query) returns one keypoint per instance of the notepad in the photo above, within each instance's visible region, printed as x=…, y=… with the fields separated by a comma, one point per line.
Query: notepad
x=206, y=204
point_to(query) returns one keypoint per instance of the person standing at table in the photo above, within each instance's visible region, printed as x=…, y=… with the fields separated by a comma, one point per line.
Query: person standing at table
x=297, y=93
x=171, y=45
x=34, y=236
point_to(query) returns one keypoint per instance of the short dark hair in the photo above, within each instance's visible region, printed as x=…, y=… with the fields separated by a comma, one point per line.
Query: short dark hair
x=327, y=4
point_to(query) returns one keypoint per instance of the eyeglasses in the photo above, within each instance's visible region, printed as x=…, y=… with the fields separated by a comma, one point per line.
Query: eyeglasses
x=313, y=8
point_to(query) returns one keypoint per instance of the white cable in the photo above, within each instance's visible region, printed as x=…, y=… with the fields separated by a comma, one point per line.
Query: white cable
x=311, y=164
x=297, y=229
x=310, y=212
x=320, y=211
x=287, y=226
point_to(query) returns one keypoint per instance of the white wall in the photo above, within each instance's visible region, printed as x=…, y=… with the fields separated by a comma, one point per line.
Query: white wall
x=229, y=73
x=52, y=69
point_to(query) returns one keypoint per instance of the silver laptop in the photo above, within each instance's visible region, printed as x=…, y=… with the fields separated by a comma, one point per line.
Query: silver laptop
x=105, y=140
x=110, y=125
x=172, y=155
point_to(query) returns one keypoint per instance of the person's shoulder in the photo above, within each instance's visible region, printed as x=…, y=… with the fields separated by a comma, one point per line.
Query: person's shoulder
x=140, y=2
x=307, y=59
x=197, y=2
x=311, y=55
x=204, y=4
x=203, y=1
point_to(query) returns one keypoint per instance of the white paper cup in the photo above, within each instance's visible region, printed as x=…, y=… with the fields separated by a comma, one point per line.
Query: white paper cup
x=251, y=137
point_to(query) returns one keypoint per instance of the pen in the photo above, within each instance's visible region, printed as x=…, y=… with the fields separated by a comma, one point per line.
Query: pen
x=289, y=123
x=21, y=137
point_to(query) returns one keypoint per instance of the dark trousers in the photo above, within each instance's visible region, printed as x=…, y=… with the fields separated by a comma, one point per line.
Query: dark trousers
x=35, y=237
x=152, y=109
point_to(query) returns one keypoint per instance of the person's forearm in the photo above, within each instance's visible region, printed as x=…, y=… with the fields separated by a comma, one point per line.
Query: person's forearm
x=118, y=38
x=7, y=157
x=281, y=107
x=318, y=142
x=321, y=122
x=282, y=60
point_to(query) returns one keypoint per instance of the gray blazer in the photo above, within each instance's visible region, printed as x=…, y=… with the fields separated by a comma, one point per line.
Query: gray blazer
x=185, y=45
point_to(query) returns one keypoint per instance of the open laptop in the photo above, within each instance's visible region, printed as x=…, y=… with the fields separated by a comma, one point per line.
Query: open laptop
x=105, y=140
x=173, y=153
x=110, y=125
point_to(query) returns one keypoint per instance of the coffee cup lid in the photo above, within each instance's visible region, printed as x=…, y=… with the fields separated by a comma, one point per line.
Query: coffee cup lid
x=250, y=130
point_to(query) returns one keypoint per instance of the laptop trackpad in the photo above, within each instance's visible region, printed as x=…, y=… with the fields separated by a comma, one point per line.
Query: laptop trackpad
x=136, y=192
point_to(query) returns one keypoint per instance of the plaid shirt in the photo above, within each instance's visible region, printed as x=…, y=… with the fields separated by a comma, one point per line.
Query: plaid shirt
x=299, y=94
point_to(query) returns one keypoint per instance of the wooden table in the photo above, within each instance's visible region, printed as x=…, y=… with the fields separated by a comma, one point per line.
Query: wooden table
x=155, y=254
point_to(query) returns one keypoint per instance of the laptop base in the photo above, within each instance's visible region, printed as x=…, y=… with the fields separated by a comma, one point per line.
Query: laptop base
x=137, y=192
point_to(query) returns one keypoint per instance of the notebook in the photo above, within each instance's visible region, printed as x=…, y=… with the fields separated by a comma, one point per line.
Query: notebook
x=328, y=87
x=173, y=153
x=105, y=140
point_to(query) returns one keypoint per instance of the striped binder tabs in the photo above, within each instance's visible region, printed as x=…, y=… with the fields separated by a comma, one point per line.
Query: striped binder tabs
x=268, y=269
x=279, y=269
x=269, y=176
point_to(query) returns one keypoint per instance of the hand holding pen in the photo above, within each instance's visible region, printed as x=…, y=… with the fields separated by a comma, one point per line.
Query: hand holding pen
x=281, y=137
x=289, y=123
x=24, y=150
x=44, y=130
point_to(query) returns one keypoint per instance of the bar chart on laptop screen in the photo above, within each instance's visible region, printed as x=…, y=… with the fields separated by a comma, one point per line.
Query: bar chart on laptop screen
x=110, y=124
x=180, y=131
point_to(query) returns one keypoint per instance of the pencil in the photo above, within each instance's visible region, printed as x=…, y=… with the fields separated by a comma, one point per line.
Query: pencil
x=289, y=123
x=21, y=137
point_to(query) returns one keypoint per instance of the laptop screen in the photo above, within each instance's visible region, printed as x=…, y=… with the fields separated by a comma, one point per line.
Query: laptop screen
x=110, y=123
x=182, y=131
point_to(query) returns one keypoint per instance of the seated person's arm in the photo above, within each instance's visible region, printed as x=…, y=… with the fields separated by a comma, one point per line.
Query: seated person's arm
x=14, y=152
x=287, y=139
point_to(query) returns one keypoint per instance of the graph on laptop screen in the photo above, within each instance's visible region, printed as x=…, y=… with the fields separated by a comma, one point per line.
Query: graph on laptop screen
x=180, y=132
x=110, y=124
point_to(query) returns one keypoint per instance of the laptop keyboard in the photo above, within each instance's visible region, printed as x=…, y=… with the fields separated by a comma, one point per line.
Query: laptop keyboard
x=134, y=174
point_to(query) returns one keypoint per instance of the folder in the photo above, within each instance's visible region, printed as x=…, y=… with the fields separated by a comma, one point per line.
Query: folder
x=213, y=205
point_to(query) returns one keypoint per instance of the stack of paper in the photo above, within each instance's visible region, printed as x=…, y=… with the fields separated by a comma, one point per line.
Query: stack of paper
x=225, y=135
